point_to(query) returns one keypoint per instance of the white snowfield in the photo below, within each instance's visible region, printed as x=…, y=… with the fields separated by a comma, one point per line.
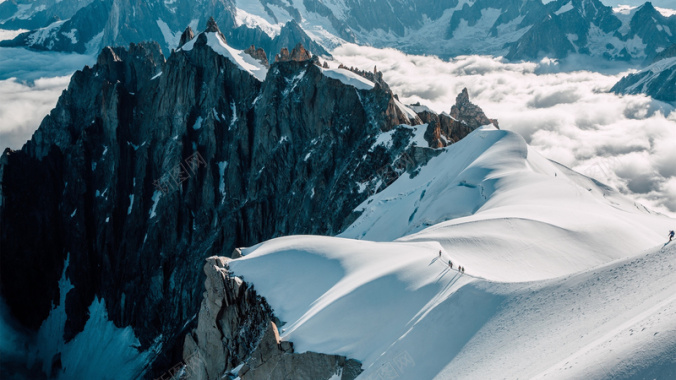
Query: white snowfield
x=244, y=61
x=564, y=277
x=349, y=78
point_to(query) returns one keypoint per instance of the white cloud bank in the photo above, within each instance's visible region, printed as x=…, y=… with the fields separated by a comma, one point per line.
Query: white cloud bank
x=23, y=106
x=28, y=65
x=624, y=141
x=30, y=84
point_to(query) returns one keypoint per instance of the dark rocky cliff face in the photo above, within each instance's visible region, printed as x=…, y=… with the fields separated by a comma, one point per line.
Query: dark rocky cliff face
x=146, y=167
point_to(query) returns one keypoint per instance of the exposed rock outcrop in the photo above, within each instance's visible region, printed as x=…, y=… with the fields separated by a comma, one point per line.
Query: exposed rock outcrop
x=469, y=113
x=444, y=129
x=275, y=359
x=298, y=54
x=236, y=326
x=212, y=27
x=374, y=76
x=230, y=323
x=258, y=54
x=187, y=35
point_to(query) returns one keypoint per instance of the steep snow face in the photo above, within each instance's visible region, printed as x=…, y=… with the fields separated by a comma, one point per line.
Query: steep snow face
x=44, y=33
x=244, y=61
x=252, y=21
x=399, y=308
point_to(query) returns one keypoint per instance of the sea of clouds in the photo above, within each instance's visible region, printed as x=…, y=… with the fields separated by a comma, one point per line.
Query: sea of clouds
x=23, y=106
x=30, y=85
x=628, y=142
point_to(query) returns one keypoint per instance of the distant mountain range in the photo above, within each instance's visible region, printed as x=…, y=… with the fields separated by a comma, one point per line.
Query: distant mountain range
x=99, y=23
x=516, y=29
x=657, y=80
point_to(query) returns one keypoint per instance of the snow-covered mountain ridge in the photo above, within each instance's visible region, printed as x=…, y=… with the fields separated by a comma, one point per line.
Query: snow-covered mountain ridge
x=658, y=80
x=597, y=302
x=101, y=23
x=512, y=28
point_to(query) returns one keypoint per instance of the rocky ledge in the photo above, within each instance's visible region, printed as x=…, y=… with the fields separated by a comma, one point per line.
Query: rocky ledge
x=237, y=335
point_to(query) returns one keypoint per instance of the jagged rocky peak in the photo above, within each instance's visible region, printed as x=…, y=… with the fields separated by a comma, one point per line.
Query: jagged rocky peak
x=188, y=34
x=212, y=27
x=470, y=113
x=444, y=129
x=237, y=328
x=298, y=54
x=258, y=54
x=283, y=55
x=113, y=63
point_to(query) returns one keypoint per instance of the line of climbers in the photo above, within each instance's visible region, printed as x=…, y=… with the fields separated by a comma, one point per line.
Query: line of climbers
x=460, y=269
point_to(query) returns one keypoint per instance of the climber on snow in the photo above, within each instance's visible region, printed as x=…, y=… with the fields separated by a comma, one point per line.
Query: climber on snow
x=671, y=235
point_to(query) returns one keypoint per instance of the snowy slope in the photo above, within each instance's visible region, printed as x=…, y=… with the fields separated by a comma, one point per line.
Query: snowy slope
x=501, y=197
x=244, y=61
x=349, y=78
x=398, y=308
